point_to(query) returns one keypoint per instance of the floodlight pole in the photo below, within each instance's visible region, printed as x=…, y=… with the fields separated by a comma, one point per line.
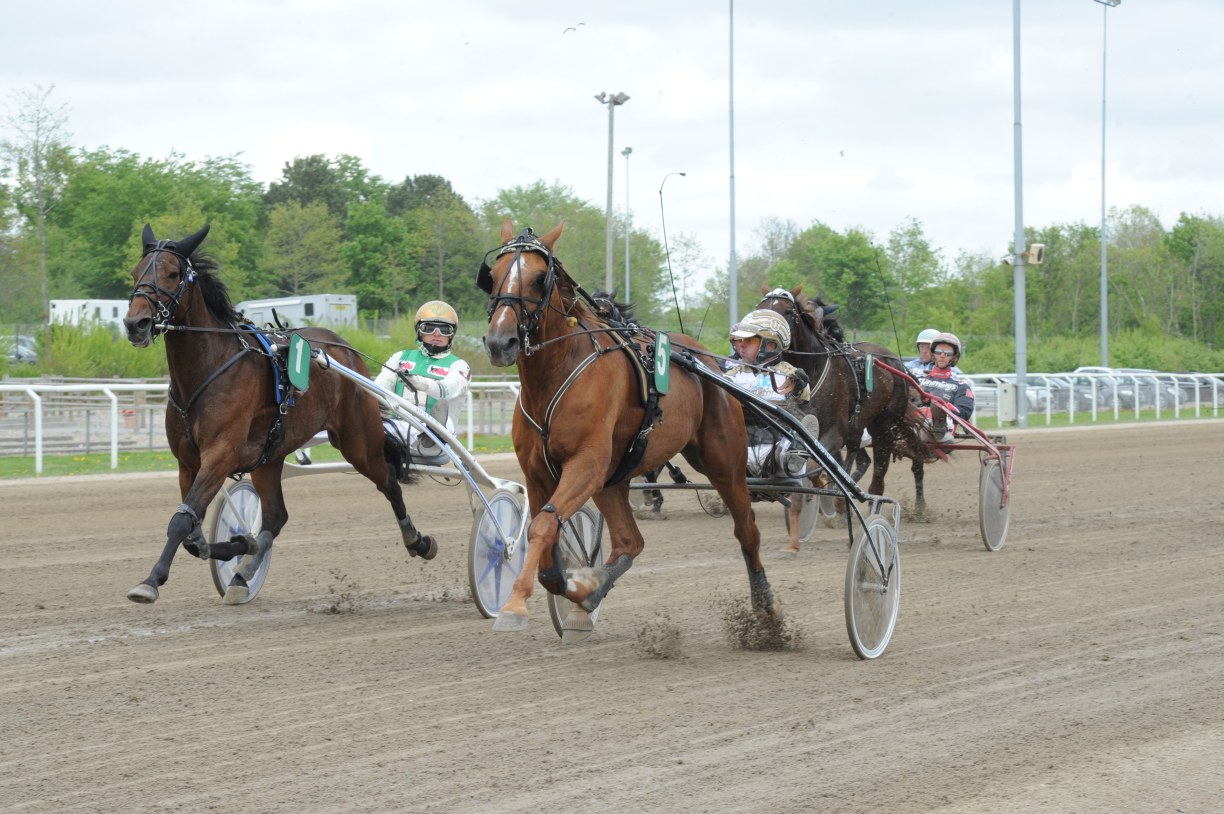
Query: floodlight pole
x=611, y=101
x=628, y=222
x=1107, y=5
x=1019, y=252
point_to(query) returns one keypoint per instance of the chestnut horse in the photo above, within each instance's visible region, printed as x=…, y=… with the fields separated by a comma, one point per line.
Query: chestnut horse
x=228, y=414
x=846, y=397
x=582, y=405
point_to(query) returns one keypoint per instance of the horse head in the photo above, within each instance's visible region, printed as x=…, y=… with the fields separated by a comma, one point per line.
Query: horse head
x=161, y=279
x=522, y=284
x=799, y=315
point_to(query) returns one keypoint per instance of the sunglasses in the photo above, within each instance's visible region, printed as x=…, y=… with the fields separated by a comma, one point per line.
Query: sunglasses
x=443, y=328
x=944, y=352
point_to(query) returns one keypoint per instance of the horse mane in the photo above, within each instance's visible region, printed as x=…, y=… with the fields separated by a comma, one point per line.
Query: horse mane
x=215, y=292
x=609, y=310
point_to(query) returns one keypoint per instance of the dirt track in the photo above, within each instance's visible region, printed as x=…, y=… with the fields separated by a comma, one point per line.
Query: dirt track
x=1079, y=669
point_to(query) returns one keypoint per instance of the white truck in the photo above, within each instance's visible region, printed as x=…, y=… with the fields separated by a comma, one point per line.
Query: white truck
x=83, y=312
x=332, y=310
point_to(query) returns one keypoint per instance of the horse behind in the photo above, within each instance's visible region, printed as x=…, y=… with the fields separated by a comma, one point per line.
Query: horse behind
x=229, y=412
x=849, y=395
x=584, y=416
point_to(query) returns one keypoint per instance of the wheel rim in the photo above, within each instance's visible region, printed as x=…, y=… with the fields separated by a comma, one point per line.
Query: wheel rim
x=581, y=544
x=994, y=517
x=491, y=571
x=237, y=510
x=873, y=588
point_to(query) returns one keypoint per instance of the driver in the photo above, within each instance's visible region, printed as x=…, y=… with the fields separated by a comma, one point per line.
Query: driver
x=758, y=342
x=430, y=375
x=942, y=380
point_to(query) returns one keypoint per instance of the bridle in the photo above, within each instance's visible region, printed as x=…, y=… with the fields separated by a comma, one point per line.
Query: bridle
x=528, y=317
x=153, y=293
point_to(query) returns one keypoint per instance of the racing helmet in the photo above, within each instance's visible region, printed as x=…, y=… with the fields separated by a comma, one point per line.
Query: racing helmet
x=946, y=338
x=926, y=337
x=436, y=316
x=769, y=325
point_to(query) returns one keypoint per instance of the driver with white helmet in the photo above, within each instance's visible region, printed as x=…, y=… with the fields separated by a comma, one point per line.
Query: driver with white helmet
x=942, y=380
x=758, y=341
x=924, y=362
x=430, y=375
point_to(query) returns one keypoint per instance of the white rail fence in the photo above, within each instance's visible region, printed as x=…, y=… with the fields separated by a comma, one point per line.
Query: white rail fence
x=85, y=416
x=40, y=418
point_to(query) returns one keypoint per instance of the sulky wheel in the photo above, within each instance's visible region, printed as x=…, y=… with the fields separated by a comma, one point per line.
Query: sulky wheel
x=809, y=516
x=994, y=506
x=495, y=556
x=873, y=588
x=637, y=497
x=581, y=546
x=235, y=511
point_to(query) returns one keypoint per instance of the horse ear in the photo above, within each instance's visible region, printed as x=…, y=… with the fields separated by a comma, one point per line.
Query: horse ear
x=550, y=239
x=796, y=291
x=765, y=289
x=190, y=243
x=146, y=236
x=507, y=231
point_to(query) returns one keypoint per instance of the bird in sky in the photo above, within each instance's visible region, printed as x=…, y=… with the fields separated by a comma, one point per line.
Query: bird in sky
x=572, y=28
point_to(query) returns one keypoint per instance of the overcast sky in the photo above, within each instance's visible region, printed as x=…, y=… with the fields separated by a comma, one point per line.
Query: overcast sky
x=855, y=114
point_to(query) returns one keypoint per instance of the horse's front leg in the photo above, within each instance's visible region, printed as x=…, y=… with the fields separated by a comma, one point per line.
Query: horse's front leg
x=543, y=535
x=185, y=528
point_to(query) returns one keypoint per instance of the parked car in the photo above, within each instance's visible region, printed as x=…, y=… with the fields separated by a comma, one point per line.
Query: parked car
x=19, y=349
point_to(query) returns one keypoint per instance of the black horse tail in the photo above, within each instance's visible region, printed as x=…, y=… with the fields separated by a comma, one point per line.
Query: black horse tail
x=395, y=450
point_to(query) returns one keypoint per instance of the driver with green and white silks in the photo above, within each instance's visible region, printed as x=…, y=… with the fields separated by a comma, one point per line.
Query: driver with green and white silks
x=430, y=376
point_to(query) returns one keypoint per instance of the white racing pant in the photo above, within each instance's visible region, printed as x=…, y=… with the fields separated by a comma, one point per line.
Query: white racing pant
x=419, y=445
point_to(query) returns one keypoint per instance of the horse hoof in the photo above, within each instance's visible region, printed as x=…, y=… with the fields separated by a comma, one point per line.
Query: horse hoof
x=786, y=553
x=237, y=594
x=650, y=514
x=510, y=622
x=577, y=627
x=143, y=593
x=426, y=547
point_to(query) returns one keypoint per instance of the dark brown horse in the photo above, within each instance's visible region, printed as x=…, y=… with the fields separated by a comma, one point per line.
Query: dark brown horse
x=581, y=408
x=225, y=416
x=849, y=395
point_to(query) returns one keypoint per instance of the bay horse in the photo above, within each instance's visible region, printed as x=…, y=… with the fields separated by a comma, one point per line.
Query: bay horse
x=846, y=398
x=228, y=412
x=584, y=416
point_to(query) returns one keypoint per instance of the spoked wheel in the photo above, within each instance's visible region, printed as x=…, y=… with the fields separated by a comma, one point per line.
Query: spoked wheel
x=873, y=588
x=809, y=516
x=581, y=546
x=236, y=510
x=493, y=562
x=993, y=514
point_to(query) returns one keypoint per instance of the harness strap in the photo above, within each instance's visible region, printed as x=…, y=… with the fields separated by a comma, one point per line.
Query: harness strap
x=552, y=407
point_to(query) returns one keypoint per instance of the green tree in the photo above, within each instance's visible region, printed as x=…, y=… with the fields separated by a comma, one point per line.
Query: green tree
x=302, y=249
x=39, y=159
x=337, y=183
x=383, y=258
x=842, y=268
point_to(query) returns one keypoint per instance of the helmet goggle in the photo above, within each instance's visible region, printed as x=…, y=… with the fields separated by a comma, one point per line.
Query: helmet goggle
x=442, y=328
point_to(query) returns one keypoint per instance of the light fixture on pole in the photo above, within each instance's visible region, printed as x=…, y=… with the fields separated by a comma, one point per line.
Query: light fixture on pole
x=1108, y=4
x=628, y=222
x=611, y=101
